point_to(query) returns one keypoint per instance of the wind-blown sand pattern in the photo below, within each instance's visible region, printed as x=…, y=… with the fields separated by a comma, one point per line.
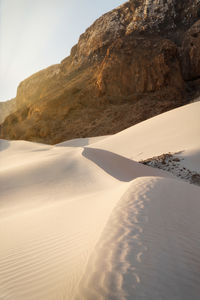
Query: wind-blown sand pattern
x=88, y=222
x=149, y=248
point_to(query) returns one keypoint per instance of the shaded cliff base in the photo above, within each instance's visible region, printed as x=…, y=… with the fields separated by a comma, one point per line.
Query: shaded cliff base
x=82, y=120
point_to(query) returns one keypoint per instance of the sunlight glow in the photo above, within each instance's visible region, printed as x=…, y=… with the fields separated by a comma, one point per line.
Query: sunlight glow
x=37, y=34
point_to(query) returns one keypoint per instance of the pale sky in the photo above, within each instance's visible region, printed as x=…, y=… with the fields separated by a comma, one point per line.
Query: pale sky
x=35, y=34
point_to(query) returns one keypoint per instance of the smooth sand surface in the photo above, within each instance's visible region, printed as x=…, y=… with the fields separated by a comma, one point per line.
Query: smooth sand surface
x=82, y=220
x=190, y=158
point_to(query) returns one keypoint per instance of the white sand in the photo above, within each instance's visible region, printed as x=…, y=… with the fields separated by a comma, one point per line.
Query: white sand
x=150, y=246
x=80, y=221
x=190, y=158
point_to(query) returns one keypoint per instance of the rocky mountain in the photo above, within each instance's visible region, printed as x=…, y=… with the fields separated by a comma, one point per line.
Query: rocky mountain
x=134, y=62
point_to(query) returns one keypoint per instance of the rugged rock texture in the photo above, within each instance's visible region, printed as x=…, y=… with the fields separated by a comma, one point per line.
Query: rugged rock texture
x=138, y=65
x=163, y=15
x=134, y=62
x=6, y=108
x=191, y=53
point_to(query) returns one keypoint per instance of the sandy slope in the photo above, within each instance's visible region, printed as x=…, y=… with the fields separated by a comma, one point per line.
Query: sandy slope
x=150, y=246
x=80, y=221
x=173, y=131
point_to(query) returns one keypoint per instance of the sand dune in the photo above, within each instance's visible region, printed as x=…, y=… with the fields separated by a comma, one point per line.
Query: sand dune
x=173, y=131
x=149, y=248
x=82, y=220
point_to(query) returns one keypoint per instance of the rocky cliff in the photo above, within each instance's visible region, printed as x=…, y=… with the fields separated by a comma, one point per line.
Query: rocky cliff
x=134, y=62
x=6, y=108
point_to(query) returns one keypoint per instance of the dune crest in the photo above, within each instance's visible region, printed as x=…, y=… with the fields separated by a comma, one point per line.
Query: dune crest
x=148, y=247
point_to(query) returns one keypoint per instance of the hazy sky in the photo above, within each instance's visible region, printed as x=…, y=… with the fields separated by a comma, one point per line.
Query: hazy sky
x=35, y=34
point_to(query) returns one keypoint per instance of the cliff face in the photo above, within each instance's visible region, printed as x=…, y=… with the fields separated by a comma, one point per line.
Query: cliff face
x=134, y=62
x=39, y=86
x=163, y=15
x=190, y=53
x=6, y=108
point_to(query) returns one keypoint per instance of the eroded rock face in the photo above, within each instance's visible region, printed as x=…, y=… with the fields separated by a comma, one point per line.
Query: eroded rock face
x=162, y=14
x=6, y=108
x=107, y=44
x=132, y=63
x=190, y=53
x=150, y=14
x=134, y=16
x=139, y=66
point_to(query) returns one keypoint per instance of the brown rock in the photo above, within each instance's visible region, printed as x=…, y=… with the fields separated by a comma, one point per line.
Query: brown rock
x=6, y=108
x=137, y=65
x=40, y=85
x=190, y=53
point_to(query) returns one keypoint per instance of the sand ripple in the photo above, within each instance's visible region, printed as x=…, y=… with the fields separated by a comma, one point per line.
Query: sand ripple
x=149, y=248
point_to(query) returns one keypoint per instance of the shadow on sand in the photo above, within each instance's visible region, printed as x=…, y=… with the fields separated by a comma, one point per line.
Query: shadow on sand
x=4, y=145
x=119, y=167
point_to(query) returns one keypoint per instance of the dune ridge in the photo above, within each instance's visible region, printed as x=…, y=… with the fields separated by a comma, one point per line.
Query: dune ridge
x=148, y=242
